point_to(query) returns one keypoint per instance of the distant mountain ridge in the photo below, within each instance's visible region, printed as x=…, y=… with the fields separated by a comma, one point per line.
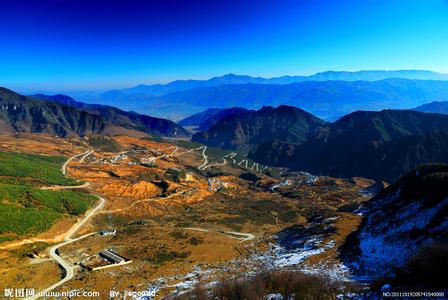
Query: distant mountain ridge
x=163, y=100
x=326, y=99
x=367, y=75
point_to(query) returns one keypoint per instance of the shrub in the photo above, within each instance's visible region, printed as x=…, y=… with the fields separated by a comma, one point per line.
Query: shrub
x=162, y=255
x=291, y=285
x=425, y=269
x=104, y=143
x=179, y=234
x=196, y=241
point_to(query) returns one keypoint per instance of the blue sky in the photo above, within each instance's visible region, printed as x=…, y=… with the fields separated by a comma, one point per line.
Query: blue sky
x=78, y=44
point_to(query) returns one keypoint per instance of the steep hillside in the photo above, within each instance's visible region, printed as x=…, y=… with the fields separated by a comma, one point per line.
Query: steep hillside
x=326, y=99
x=118, y=117
x=25, y=114
x=398, y=222
x=221, y=115
x=379, y=145
x=199, y=118
x=242, y=130
x=206, y=119
x=439, y=107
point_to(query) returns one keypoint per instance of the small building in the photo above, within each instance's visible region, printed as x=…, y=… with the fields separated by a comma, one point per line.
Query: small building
x=108, y=232
x=104, y=259
x=112, y=257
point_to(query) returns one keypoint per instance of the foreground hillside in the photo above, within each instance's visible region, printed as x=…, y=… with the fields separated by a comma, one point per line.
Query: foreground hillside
x=402, y=220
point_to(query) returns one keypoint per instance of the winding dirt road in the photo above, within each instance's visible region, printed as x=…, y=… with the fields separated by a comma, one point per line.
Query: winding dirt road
x=84, y=154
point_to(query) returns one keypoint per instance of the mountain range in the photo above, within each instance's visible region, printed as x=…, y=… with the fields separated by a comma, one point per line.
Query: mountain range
x=380, y=145
x=61, y=115
x=352, y=91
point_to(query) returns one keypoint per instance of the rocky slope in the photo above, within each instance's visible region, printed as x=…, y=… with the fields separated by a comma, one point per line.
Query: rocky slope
x=406, y=216
x=118, y=117
x=25, y=114
x=206, y=119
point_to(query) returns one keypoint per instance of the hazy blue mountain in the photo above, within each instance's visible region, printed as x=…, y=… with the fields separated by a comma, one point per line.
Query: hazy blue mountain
x=439, y=107
x=139, y=97
x=325, y=99
x=118, y=117
x=182, y=85
x=373, y=75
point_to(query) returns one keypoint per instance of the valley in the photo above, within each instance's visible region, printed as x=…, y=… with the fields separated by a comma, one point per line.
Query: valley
x=182, y=215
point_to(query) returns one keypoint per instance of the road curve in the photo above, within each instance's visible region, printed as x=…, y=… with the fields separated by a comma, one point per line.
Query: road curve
x=230, y=234
x=69, y=269
x=78, y=225
x=84, y=154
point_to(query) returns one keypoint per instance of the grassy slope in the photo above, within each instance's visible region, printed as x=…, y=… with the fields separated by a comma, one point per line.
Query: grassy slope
x=26, y=209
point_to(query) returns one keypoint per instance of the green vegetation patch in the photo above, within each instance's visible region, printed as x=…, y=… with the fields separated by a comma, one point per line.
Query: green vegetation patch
x=44, y=168
x=25, y=209
x=28, y=210
x=21, y=221
x=163, y=254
